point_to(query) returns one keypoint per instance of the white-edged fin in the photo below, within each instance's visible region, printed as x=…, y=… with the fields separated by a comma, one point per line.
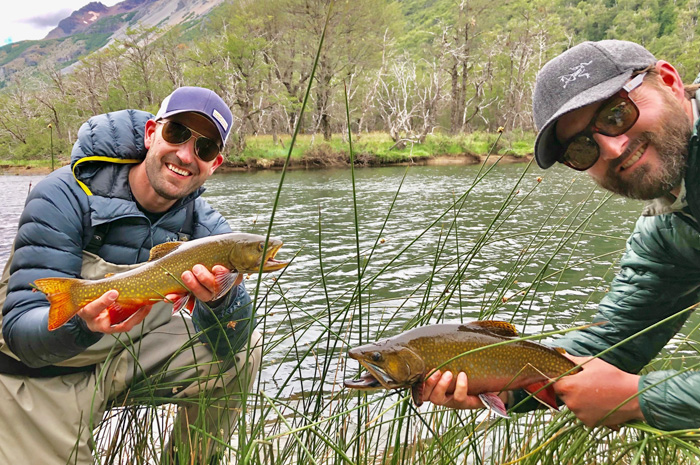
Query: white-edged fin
x=181, y=303
x=494, y=403
x=224, y=282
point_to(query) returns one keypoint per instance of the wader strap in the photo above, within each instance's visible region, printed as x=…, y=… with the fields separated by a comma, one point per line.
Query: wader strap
x=98, y=238
x=10, y=366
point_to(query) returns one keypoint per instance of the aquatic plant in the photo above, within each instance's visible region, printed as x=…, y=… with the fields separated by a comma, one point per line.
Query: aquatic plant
x=299, y=412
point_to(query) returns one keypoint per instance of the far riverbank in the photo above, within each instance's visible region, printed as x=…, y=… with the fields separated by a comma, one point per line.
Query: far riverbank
x=303, y=163
x=371, y=149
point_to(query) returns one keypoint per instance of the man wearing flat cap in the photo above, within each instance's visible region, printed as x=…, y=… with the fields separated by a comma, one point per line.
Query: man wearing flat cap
x=610, y=108
x=134, y=182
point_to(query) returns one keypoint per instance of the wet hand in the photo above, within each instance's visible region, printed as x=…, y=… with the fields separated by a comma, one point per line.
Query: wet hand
x=597, y=390
x=446, y=390
x=97, y=317
x=202, y=282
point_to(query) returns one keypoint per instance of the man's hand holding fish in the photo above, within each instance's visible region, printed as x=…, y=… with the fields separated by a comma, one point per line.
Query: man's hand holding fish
x=202, y=283
x=614, y=391
x=97, y=318
x=446, y=390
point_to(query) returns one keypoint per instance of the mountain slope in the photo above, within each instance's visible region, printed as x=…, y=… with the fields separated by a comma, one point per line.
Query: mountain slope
x=92, y=27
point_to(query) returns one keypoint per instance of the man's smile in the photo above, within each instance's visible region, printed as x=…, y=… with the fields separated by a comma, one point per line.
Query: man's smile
x=634, y=157
x=178, y=170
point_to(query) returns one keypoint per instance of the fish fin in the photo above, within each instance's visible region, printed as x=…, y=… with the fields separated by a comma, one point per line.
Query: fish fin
x=545, y=396
x=190, y=306
x=119, y=312
x=417, y=393
x=502, y=328
x=184, y=302
x=224, y=282
x=494, y=403
x=161, y=250
x=58, y=292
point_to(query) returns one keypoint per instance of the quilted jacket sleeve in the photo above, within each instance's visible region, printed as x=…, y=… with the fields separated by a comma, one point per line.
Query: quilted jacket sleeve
x=648, y=302
x=48, y=244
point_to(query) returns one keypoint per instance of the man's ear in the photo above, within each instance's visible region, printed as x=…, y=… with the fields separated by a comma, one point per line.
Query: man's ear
x=669, y=77
x=217, y=162
x=149, y=133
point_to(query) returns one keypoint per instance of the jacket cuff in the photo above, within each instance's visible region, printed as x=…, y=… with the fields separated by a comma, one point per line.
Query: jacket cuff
x=521, y=402
x=668, y=400
x=225, y=327
x=84, y=337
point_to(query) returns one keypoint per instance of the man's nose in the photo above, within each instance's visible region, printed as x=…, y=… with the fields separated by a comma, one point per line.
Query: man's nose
x=185, y=152
x=611, y=147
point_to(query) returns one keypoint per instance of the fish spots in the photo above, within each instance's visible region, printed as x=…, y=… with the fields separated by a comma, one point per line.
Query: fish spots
x=493, y=360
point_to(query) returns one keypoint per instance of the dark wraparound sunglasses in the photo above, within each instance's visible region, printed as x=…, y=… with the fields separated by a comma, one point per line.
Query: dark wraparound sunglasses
x=614, y=117
x=177, y=134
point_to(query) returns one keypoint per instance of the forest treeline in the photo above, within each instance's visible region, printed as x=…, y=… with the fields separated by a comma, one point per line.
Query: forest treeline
x=410, y=68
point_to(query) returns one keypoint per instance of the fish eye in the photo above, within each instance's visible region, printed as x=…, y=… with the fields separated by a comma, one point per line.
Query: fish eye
x=376, y=357
x=261, y=246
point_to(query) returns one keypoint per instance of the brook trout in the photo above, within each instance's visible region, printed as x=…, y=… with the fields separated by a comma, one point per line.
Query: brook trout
x=238, y=252
x=405, y=360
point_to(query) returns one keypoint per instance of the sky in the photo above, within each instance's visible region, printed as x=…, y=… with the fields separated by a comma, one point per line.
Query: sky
x=33, y=19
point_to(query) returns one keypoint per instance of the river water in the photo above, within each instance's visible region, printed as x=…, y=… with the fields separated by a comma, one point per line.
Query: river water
x=436, y=244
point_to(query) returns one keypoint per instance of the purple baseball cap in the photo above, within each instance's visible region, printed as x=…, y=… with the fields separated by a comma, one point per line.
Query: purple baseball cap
x=202, y=101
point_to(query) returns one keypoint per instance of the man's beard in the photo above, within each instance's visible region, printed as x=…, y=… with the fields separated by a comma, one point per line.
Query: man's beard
x=671, y=144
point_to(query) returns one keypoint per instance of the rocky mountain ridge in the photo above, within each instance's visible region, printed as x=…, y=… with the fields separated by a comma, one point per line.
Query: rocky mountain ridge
x=81, y=20
x=93, y=27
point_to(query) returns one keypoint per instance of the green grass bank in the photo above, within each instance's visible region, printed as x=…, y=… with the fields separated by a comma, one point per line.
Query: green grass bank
x=311, y=151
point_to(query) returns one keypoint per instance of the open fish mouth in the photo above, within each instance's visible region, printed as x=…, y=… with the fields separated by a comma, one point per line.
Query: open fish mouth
x=271, y=264
x=382, y=376
x=379, y=376
x=366, y=382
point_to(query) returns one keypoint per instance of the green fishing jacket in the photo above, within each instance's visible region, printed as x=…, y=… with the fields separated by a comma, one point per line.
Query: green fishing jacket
x=649, y=301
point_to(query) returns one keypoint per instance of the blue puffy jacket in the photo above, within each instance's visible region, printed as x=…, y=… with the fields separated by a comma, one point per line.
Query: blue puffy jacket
x=59, y=220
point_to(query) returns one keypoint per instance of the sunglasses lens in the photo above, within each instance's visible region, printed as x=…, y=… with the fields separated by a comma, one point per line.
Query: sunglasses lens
x=175, y=133
x=616, y=117
x=581, y=154
x=206, y=149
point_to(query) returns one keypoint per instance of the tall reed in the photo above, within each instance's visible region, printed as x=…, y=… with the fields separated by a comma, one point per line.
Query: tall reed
x=310, y=418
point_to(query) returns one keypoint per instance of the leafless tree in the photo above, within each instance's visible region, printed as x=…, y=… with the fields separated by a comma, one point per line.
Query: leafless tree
x=408, y=100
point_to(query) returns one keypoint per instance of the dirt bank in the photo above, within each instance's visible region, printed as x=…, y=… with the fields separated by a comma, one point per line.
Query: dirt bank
x=315, y=162
x=365, y=160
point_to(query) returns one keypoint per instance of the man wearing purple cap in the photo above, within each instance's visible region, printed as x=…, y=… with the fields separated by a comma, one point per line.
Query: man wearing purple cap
x=134, y=182
x=610, y=108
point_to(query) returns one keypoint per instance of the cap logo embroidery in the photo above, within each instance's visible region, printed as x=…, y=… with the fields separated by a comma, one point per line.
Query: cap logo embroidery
x=578, y=72
x=219, y=117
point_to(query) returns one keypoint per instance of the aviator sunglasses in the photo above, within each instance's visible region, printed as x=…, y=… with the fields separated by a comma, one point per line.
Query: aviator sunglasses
x=177, y=134
x=614, y=117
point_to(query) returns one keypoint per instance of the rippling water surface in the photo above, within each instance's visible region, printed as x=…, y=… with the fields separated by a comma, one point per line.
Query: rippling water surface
x=439, y=246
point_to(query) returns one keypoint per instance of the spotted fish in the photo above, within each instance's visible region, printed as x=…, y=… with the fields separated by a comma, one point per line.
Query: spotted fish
x=238, y=252
x=405, y=360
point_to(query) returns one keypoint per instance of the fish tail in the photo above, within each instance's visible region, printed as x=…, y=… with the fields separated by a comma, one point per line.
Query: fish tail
x=543, y=391
x=59, y=292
